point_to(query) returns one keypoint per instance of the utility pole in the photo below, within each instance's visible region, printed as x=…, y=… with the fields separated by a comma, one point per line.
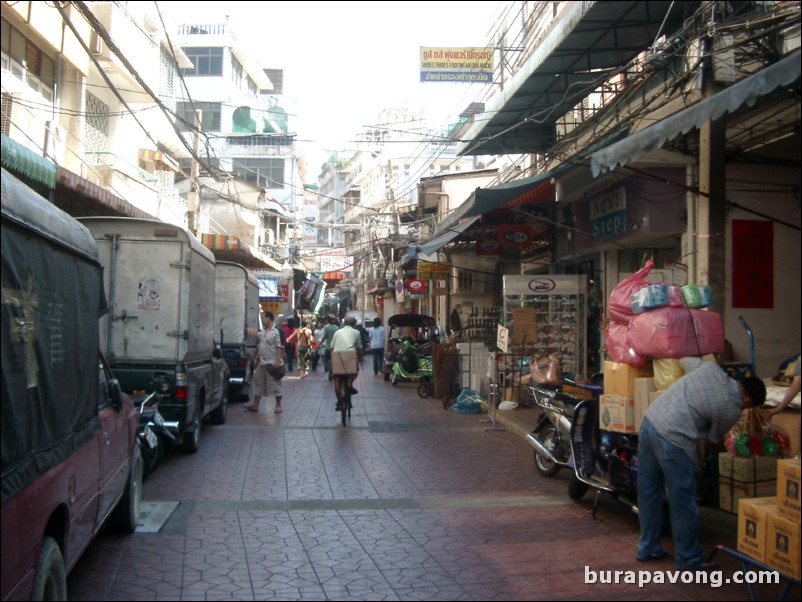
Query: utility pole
x=194, y=172
x=391, y=199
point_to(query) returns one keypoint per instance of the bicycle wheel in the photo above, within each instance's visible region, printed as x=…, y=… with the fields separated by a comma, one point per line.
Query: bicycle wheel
x=345, y=408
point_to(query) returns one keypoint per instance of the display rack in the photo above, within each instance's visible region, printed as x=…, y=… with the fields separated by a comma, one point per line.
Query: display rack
x=555, y=320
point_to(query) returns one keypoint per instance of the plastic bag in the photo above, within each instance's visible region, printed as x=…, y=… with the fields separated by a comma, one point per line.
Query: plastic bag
x=615, y=341
x=545, y=370
x=753, y=436
x=621, y=297
x=468, y=402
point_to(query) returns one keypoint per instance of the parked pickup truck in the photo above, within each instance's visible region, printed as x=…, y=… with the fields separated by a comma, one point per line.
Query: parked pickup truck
x=70, y=456
x=159, y=332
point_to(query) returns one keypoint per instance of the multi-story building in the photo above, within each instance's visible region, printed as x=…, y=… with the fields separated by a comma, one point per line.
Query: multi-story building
x=243, y=132
x=88, y=91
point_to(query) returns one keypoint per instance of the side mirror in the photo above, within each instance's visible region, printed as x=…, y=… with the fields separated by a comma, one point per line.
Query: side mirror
x=115, y=392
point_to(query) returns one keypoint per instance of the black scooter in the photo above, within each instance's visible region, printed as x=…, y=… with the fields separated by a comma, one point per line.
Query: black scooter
x=152, y=430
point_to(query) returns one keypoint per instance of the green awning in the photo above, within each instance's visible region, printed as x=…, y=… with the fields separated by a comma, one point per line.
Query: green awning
x=26, y=163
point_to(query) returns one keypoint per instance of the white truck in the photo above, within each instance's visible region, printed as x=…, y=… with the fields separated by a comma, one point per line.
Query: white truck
x=159, y=332
x=236, y=321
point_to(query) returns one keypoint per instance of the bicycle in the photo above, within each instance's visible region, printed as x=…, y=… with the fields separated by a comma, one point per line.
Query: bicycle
x=344, y=370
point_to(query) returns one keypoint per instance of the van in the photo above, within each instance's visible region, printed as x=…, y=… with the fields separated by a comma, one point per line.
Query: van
x=236, y=321
x=70, y=454
x=159, y=331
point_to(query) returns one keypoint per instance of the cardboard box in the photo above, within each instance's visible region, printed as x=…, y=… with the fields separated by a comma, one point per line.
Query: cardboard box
x=747, y=470
x=343, y=362
x=524, y=326
x=753, y=518
x=643, y=388
x=788, y=501
x=619, y=378
x=782, y=545
x=730, y=492
x=617, y=413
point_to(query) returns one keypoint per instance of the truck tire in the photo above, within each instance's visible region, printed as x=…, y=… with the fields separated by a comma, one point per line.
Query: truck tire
x=125, y=516
x=50, y=579
x=190, y=444
x=218, y=415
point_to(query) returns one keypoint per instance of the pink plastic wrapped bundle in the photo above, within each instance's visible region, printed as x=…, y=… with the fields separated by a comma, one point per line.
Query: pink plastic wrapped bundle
x=621, y=297
x=615, y=340
x=667, y=332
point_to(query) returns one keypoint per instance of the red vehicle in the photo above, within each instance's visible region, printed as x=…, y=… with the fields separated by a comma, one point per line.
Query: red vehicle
x=70, y=453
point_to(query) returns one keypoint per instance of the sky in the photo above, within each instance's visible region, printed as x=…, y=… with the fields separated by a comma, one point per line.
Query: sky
x=345, y=61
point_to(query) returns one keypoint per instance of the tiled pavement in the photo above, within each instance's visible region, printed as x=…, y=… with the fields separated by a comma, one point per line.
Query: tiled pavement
x=409, y=502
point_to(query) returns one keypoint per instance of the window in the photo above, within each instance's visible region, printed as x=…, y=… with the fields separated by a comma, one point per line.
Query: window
x=185, y=165
x=26, y=61
x=97, y=124
x=210, y=115
x=236, y=75
x=207, y=62
x=264, y=173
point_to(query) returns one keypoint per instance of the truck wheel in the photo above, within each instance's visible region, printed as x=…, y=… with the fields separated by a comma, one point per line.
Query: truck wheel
x=190, y=444
x=218, y=415
x=125, y=516
x=50, y=581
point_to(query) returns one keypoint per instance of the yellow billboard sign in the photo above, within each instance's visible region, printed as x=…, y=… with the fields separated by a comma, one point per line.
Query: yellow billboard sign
x=428, y=270
x=456, y=64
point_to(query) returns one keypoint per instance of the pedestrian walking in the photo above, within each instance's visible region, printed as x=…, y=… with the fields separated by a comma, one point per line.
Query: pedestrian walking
x=288, y=328
x=328, y=333
x=303, y=337
x=268, y=365
x=377, y=336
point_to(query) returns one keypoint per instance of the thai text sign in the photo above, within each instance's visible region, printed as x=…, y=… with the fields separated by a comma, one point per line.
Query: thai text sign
x=456, y=64
x=428, y=270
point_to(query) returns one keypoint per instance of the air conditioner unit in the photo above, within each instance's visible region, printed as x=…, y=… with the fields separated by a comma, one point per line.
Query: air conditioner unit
x=95, y=43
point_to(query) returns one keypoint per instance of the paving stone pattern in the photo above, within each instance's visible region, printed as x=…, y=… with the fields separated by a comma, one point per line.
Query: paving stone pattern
x=409, y=502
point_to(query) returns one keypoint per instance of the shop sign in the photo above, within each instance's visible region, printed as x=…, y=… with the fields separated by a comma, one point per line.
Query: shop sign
x=416, y=288
x=488, y=247
x=608, y=214
x=502, y=338
x=428, y=270
x=399, y=291
x=518, y=235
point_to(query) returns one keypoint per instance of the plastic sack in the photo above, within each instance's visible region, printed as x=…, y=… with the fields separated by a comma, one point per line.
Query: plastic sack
x=468, y=402
x=621, y=297
x=676, y=332
x=545, y=370
x=615, y=341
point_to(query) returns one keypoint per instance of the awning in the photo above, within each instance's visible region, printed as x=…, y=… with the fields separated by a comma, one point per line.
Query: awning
x=80, y=197
x=163, y=161
x=24, y=162
x=433, y=245
x=782, y=73
x=231, y=248
x=534, y=189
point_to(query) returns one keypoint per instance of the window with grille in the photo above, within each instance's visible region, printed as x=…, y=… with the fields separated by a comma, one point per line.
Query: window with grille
x=5, y=113
x=210, y=115
x=207, y=62
x=96, y=138
x=25, y=60
x=264, y=173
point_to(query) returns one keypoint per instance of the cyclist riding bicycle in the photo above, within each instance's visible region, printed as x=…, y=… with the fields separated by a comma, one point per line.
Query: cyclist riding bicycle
x=347, y=339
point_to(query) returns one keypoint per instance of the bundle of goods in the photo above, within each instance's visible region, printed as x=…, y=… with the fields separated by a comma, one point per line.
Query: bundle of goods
x=660, y=320
x=753, y=436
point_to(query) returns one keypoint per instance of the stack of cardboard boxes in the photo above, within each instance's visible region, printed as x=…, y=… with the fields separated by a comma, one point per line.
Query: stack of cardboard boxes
x=740, y=478
x=617, y=407
x=769, y=527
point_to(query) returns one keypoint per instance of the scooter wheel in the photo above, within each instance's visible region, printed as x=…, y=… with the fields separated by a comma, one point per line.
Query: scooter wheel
x=424, y=390
x=543, y=465
x=576, y=488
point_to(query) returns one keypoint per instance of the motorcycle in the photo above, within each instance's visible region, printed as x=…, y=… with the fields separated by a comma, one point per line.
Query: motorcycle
x=152, y=430
x=568, y=436
x=410, y=366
